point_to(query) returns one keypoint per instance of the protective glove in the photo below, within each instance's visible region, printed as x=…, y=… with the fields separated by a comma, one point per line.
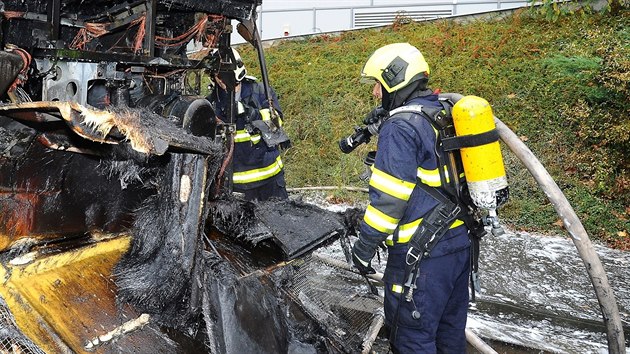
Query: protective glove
x=248, y=112
x=375, y=115
x=362, y=255
x=352, y=218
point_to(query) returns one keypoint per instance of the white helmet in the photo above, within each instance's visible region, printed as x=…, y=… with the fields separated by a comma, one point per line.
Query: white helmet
x=239, y=69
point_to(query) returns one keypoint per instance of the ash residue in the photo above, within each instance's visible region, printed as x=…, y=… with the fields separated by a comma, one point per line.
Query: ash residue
x=128, y=172
x=14, y=139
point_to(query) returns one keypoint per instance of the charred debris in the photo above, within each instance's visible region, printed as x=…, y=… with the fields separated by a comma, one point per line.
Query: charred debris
x=118, y=231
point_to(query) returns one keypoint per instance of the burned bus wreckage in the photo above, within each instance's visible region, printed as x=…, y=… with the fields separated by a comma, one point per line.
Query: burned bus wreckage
x=117, y=229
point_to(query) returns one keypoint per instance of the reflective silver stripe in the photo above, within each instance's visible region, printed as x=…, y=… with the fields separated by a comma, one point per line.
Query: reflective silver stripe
x=362, y=261
x=397, y=288
x=391, y=206
x=415, y=108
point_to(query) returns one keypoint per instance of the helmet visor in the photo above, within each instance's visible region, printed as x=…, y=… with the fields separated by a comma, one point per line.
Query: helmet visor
x=367, y=80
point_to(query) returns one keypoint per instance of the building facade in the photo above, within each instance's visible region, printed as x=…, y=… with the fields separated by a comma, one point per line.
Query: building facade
x=281, y=18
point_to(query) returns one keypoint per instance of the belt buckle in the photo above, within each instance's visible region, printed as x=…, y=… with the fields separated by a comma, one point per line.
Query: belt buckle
x=412, y=255
x=456, y=211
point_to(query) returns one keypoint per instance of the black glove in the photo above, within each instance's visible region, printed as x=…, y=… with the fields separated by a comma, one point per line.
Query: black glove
x=248, y=112
x=362, y=255
x=375, y=115
x=352, y=218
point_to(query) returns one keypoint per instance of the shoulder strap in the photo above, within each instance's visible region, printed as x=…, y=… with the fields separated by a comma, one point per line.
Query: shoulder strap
x=441, y=120
x=416, y=108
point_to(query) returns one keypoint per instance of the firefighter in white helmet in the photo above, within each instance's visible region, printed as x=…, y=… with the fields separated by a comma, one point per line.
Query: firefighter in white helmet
x=258, y=169
x=425, y=311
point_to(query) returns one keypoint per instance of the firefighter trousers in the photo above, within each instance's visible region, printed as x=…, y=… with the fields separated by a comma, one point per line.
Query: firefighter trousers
x=440, y=300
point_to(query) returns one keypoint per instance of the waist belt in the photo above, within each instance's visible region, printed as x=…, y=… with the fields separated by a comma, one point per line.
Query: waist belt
x=406, y=231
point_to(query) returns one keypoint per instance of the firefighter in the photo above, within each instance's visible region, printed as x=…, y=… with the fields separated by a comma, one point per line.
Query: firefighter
x=258, y=169
x=432, y=317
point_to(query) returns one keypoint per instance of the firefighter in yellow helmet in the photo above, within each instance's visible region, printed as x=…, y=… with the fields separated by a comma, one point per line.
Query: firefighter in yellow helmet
x=426, y=277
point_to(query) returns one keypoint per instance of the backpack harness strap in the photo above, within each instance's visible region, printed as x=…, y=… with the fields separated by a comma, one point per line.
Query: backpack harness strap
x=433, y=226
x=458, y=142
x=437, y=221
x=430, y=231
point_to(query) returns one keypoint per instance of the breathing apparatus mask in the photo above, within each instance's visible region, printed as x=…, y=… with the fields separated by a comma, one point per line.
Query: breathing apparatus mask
x=372, y=121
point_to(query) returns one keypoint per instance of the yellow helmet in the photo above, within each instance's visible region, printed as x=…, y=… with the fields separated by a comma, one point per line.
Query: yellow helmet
x=395, y=66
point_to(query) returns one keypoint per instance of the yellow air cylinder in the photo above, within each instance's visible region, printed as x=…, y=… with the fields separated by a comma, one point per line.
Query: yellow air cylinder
x=483, y=165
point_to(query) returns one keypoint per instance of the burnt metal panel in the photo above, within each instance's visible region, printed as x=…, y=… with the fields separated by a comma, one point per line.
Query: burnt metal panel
x=295, y=228
x=239, y=9
x=10, y=66
x=51, y=195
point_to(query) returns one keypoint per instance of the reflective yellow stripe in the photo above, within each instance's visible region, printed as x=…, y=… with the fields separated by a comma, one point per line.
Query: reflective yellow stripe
x=431, y=177
x=379, y=220
x=407, y=230
x=242, y=136
x=266, y=115
x=258, y=174
x=397, y=288
x=391, y=185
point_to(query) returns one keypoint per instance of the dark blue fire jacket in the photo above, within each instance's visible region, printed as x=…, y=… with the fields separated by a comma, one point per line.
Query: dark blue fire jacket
x=254, y=163
x=406, y=157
